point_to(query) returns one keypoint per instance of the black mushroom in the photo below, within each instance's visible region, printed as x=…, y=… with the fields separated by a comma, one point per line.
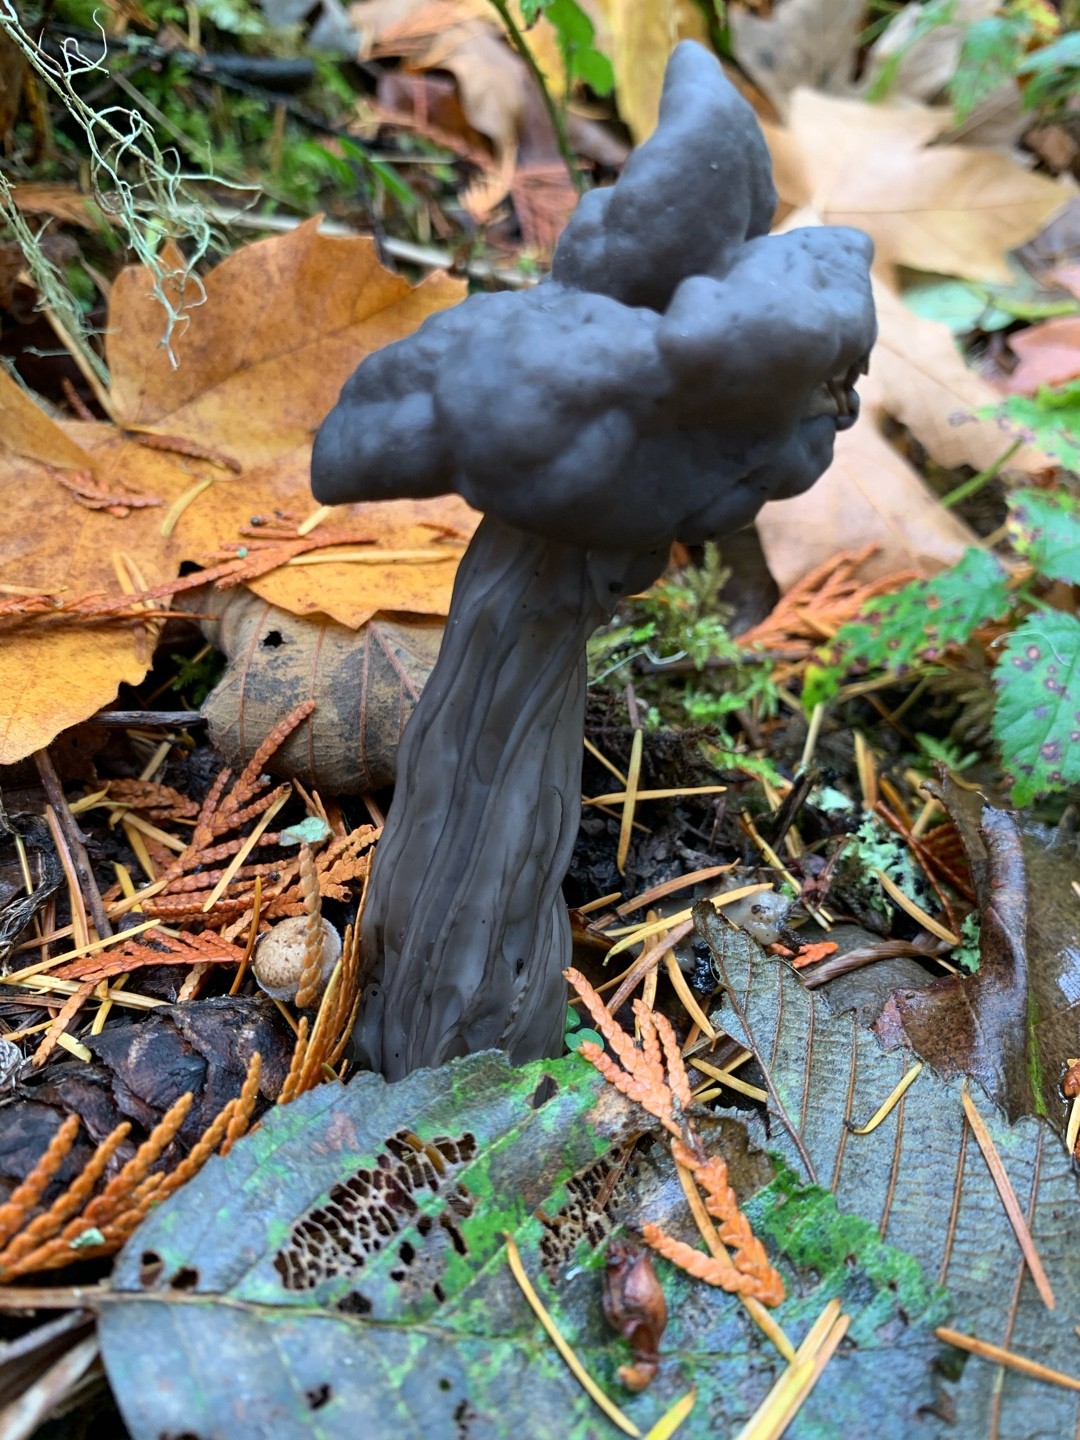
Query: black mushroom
x=679, y=368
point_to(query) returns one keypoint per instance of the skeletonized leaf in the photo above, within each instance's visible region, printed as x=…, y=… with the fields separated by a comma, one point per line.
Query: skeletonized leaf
x=348, y=1260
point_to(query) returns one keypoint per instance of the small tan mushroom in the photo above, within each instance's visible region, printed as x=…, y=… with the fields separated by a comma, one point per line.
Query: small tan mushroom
x=281, y=954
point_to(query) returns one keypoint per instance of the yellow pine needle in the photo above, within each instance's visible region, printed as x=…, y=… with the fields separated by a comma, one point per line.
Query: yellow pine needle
x=51, y=985
x=725, y=1078
x=138, y=845
x=888, y=1105
x=632, y=934
x=671, y=887
x=867, y=771
x=619, y=797
x=1008, y=1198
x=671, y=1419
x=145, y=828
x=916, y=912
x=630, y=800
x=1073, y=1127
x=600, y=903
x=580, y=1374
x=245, y=850
x=778, y=1408
x=18, y=977
x=316, y=518
x=73, y=1047
x=983, y=1348
x=253, y=935
x=180, y=504
x=612, y=769
x=686, y=995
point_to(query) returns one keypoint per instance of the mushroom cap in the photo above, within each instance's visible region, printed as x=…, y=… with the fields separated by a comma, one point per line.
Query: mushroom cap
x=678, y=369
x=280, y=954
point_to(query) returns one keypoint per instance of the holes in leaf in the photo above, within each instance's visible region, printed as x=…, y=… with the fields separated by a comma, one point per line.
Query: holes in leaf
x=272, y=639
x=354, y=1304
x=364, y=1213
x=445, y=1384
x=594, y=1195
x=545, y=1091
x=150, y=1267
x=318, y=1396
x=186, y=1278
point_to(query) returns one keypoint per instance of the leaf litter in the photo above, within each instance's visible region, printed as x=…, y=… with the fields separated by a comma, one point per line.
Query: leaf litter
x=863, y=1280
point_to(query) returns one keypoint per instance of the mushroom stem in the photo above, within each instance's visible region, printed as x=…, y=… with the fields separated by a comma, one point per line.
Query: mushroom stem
x=465, y=935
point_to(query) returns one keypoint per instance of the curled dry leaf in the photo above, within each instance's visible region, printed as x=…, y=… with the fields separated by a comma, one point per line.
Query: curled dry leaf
x=634, y=1305
x=365, y=684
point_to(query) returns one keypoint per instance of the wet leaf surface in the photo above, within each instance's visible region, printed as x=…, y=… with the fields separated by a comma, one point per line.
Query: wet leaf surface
x=347, y=1261
x=921, y=1180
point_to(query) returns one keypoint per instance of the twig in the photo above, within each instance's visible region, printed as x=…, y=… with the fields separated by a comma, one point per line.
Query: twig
x=74, y=837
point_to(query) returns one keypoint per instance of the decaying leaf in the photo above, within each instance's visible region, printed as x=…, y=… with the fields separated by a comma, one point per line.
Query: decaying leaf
x=643, y=35
x=920, y=1176
x=944, y=208
x=369, y=1222
x=284, y=322
x=870, y=495
x=797, y=42
x=365, y=684
x=1049, y=354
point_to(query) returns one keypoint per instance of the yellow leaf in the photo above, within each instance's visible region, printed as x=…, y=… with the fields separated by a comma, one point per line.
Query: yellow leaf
x=869, y=495
x=951, y=209
x=52, y=678
x=261, y=361
x=643, y=35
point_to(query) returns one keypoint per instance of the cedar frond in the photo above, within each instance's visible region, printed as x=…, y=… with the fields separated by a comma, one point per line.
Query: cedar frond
x=63, y=1018
x=621, y=1043
x=651, y=1060
x=314, y=935
x=46, y=1225
x=677, y=1076
x=26, y=1195
x=709, y=1268
x=289, y=1089
x=245, y=1105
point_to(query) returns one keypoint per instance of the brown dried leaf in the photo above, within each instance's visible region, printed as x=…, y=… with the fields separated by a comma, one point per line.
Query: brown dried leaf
x=365, y=684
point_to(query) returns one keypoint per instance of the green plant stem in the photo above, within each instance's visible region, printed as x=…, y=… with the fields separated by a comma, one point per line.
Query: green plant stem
x=969, y=487
x=558, y=120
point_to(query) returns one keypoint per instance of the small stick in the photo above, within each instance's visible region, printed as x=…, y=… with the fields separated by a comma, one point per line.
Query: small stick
x=87, y=884
x=79, y=924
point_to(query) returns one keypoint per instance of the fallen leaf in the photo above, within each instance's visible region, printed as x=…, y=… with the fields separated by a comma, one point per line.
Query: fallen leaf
x=1049, y=355
x=797, y=42
x=919, y=377
x=950, y=209
x=371, y=1220
x=62, y=202
x=920, y=1179
x=365, y=685
x=643, y=35
x=261, y=361
x=870, y=495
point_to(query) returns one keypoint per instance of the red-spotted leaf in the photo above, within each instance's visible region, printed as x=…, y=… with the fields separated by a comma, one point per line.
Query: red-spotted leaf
x=1037, y=719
